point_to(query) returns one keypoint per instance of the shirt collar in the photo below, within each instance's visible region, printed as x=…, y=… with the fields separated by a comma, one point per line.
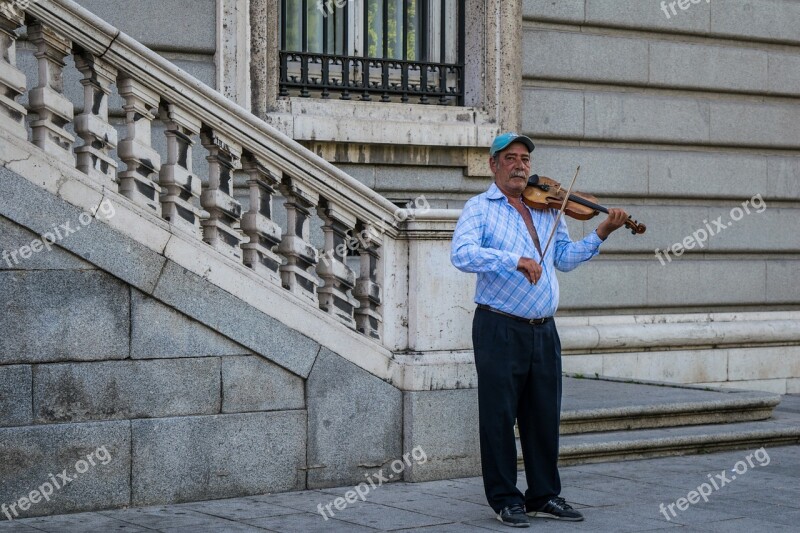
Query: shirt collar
x=494, y=192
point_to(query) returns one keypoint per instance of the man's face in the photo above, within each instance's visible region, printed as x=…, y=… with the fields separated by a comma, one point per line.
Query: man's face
x=511, y=169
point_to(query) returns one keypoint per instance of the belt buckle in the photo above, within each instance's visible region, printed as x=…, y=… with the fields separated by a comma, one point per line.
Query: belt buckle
x=537, y=321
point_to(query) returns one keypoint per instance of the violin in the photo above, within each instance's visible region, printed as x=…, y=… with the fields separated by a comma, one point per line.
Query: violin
x=543, y=193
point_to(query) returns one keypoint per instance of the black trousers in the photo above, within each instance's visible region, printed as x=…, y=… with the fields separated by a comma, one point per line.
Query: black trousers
x=519, y=378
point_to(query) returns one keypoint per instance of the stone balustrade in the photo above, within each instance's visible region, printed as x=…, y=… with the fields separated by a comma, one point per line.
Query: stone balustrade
x=343, y=281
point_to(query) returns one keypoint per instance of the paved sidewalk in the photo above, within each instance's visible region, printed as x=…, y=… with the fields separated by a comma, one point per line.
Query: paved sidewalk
x=613, y=496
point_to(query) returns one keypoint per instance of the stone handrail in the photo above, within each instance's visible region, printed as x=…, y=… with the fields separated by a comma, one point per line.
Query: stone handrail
x=236, y=142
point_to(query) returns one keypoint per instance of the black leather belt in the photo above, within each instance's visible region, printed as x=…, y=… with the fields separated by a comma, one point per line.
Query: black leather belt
x=532, y=321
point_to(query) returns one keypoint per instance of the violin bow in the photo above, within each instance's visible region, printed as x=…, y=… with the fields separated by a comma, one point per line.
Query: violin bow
x=560, y=212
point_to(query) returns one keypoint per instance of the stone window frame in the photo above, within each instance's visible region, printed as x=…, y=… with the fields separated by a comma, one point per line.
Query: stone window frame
x=248, y=72
x=396, y=73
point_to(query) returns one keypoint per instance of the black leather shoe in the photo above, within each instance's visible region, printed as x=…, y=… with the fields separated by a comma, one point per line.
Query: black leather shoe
x=558, y=509
x=514, y=516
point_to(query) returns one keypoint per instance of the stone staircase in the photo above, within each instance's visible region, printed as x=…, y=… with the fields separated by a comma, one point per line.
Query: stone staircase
x=608, y=419
x=234, y=315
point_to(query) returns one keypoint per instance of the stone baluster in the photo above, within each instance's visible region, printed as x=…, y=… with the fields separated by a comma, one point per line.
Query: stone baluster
x=180, y=188
x=12, y=80
x=295, y=246
x=334, y=297
x=53, y=110
x=221, y=228
x=368, y=289
x=139, y=180
x=92, y=125
x=257, y=223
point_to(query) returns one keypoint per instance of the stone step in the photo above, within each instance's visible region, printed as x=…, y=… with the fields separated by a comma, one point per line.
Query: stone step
x=616, y=420
x=592, y=405
x=783, y=429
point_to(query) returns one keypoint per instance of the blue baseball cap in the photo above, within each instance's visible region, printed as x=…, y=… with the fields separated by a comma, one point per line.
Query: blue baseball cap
x=502, y=141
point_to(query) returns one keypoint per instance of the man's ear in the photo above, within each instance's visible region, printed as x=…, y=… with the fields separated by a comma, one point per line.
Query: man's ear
x=492, y=164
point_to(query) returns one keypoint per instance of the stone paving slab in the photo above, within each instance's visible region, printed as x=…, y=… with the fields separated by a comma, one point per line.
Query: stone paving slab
x=308, y=523
x=790, y=403
x=614, y=497
x=158, y=517
x=79, y=523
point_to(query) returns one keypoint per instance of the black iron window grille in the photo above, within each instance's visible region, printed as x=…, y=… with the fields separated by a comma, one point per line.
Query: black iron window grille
x=389, y=50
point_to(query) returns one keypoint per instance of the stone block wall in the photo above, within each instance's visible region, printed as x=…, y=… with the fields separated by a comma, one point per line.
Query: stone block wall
x=680, y=118
x=86, y=361
x=183, y=31
x=136, y=403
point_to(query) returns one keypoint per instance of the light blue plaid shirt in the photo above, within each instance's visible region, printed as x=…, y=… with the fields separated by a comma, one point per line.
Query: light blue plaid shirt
x=490, y=238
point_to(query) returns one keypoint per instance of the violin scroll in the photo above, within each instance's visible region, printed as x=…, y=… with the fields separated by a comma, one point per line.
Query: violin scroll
x=635, y=227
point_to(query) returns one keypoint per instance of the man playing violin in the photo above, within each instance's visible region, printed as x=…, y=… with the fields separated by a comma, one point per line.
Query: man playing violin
x=516, y=345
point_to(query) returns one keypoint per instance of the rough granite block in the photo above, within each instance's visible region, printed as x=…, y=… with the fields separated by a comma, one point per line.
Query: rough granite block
x=412, y=182
x=15, y=395
x=757, y=19
x=624, y=284
x=611, y=170
x=724, y=68
x=354, y=420
x=649, y=15
x=782, y=286
x=552, y=113
x=191, y=294
x=687, y=282
x=783, y=177
x=561, y=11
x=159, y=331
x=125, y=389
x=444, y=424
x=155, y=23
x=14, y=237
x=201, y=67
x=33, y=456
x=622, y=116
x=56, y=315
x=211, y=457
x=771, y=125
x=251, y=383
x=563, y=55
